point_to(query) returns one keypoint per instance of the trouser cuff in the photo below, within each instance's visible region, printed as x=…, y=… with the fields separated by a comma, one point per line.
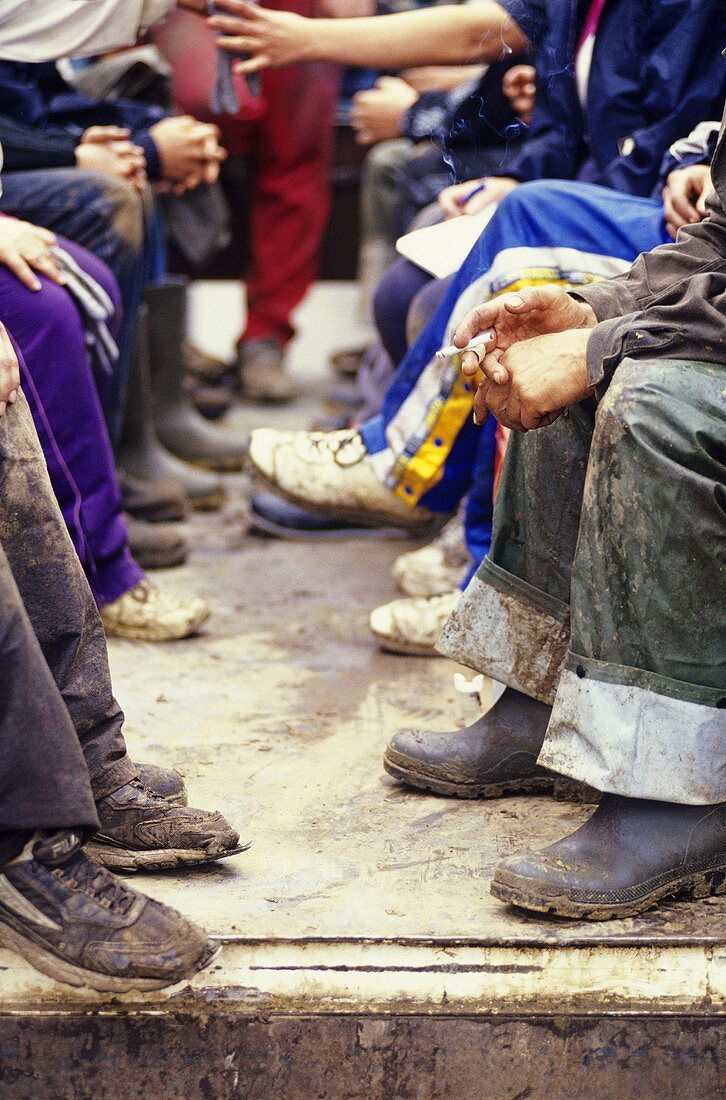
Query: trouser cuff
x=117, y=775
x=509, y=630
x=631, y=733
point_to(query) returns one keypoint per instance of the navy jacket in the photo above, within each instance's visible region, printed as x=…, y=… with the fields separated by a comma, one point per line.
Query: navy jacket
x=42, y=118
x=656, y=72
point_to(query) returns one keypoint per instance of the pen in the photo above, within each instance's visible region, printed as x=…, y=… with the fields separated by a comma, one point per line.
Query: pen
x=472, y=193
x=482, y=338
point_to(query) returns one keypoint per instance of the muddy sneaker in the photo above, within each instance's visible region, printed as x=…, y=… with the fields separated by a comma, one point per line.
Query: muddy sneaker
x=142, y=832
x=164, y=782
x=262, y=375
x=78, y=923
x=330, y=473
x=437, y=568
x=148, y=614
x=412, y=626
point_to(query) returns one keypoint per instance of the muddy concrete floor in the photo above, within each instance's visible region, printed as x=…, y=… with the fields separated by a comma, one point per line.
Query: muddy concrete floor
x=278, y=715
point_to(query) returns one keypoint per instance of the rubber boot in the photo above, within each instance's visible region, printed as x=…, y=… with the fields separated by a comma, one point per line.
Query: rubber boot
x=178, y=424
x=140, y=452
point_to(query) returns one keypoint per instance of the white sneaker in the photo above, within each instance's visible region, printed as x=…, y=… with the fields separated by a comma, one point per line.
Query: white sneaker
x=437, y=568
x=330, y=473
x=412, y=626
x=147, y=614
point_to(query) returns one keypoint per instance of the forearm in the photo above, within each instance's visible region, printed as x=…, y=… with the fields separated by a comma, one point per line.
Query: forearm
x=436, y=36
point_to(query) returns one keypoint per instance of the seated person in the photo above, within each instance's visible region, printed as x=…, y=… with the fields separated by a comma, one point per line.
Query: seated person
x=397, y=468
x=599, y=606
x=63, y=393
x=46, y=123
x=144, y=821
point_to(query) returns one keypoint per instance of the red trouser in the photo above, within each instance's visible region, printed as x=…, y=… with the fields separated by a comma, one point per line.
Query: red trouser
x=289, y=145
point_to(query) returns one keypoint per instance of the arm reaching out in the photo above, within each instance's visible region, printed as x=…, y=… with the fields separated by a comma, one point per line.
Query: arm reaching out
x=436, y=36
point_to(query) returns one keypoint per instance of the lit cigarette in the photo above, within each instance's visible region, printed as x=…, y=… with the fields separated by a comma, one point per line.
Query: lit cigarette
x=482, y=338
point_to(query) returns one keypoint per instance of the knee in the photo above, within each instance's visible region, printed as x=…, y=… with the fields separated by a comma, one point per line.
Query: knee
x=642, y=405
x=126, y=211
x=382, y=163
x=534, y=194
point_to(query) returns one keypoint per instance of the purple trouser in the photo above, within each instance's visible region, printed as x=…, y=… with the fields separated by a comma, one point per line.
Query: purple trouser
x=64, y=401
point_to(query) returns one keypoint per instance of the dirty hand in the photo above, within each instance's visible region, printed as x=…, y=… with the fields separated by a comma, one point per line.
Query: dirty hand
x=378, y=113
x=114, y=157
x=9, y=371
x=25, y=249
x=455, y=200
x=533, y=311
x=520, y=89
x=271, y=38
x=684, y=196
x=189, y=150
x=545, y=375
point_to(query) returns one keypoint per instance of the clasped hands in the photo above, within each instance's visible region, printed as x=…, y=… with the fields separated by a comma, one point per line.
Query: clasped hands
x=536, y=366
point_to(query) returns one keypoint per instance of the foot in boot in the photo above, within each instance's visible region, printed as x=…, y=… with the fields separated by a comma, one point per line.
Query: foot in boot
x=496, y=755
x=148, y=614
x=412, y=625
x=155, y=545
x=152, y=501
x=141, y=831
x=178, y=424
x=78, y=923
x=331, y=473
x=630, y=855
x=262, y=374
x=163, y=782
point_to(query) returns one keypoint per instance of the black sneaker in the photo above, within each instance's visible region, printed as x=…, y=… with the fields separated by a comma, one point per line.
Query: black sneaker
x=79, y=924
x=142, y=832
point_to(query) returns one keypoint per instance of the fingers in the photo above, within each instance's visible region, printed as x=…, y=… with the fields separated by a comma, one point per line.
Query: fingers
x=102, y=134
x=449, y=204
x=251, y=65
x=477, y=320
x=238, y=7
x=46, y=236
x=47, y=266
x=22, y=271
x=9, y=371
x=681, y=210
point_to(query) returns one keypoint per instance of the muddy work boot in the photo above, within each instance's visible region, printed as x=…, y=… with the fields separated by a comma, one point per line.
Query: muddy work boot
x=148, y=614
x=155, y=545
x=261, y=372
x=629, y=856
x=178, y=424
x=163, y=782
x=330, y=473
x=152, y=501
x=496, y=755
x=78, y=923
x=439, y=567
x=142, y=832
x=140, y=453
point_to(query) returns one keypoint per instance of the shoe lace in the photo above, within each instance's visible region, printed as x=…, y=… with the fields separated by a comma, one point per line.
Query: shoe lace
x=346, y=447
x=97, y=883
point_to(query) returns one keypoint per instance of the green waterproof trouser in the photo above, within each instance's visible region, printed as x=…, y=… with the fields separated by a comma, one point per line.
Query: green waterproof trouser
x=603, y=592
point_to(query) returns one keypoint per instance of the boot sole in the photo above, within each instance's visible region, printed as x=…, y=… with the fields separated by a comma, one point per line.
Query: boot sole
x=159, y=859
x=217, y=466
x=172, y=514
x=261, y=525
x=161, y=560
x=349, y=515
x=153, y=634
x=62, y=970
x=422, y=782
x=406, y=649
x=209, y=502
x=513, y=890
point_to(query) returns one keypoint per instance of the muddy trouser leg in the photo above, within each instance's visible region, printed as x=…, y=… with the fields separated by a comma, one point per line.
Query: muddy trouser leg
x=58, y=601
x=640, y=705
x=512, y=622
